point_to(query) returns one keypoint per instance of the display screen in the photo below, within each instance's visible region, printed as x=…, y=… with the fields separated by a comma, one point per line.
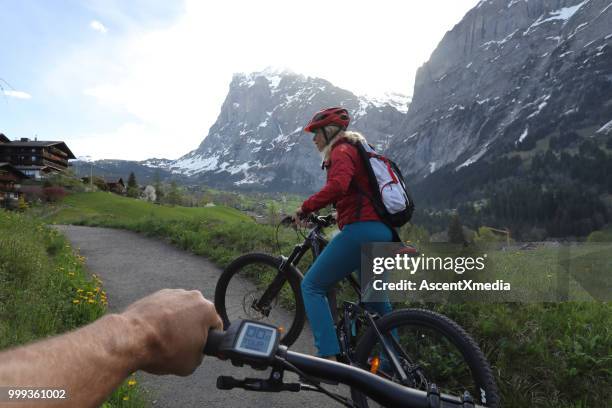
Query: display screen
x=256, y=338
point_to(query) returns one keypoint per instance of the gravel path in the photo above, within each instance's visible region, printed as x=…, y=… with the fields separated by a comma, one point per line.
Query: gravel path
x=132, y=266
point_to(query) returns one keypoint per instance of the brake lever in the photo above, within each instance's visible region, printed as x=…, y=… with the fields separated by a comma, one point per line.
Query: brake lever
x=272, y=384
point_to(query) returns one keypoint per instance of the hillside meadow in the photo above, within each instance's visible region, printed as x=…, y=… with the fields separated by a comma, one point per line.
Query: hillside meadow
x=543, y=354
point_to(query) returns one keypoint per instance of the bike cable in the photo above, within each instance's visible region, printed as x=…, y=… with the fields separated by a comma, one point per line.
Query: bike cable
x=342, y=400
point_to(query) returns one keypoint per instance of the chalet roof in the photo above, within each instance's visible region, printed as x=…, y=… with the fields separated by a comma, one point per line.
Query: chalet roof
x=113, y=180
x=4, y=139
x=42, y=143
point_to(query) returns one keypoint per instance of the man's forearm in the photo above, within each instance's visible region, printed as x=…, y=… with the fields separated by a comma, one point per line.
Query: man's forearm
x=163, y=333
x=95, y=358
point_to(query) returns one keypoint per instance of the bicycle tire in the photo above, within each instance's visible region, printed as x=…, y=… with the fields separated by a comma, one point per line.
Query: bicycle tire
x=241, y=264
x=483, y=387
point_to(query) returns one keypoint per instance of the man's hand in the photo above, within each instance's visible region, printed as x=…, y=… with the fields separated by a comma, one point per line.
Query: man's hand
x=163, y=333
x=176, y=323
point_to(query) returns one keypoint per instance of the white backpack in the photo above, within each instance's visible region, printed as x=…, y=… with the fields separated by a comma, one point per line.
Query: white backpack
x=391, y=199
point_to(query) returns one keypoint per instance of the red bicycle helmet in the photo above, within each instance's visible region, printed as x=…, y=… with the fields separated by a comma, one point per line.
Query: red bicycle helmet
x=330, y=116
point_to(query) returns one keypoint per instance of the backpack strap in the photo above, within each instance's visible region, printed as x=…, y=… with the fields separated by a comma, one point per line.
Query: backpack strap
x=361, y=193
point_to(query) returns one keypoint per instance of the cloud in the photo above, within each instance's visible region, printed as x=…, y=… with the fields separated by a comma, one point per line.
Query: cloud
x=17, y=94
x=165, y=84
x=98, y=26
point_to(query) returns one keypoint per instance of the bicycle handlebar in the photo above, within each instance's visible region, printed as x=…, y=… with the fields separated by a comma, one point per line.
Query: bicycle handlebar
x=377, y=388
x=318, y=220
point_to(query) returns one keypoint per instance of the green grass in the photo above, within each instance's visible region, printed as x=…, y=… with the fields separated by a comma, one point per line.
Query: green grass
x=191, y=228
x=45, y=290
x=543, y=354
x=106, y=208
x=600, y=236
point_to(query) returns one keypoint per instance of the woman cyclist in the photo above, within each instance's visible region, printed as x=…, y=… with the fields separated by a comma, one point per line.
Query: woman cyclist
x=347, y=187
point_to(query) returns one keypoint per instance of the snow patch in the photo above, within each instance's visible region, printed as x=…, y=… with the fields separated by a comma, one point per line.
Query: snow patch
x=196, y=164
x=363, y=107
x=605, y=129
x=274, y=81
x=396, y=100
x=523, y=135
x=513, y=2
x=541, y=106
x=236, y=105
x=500, y=42
x=263, y=124
x=604, y=10
x=473, y=159
x=570, y=111
x=432, y=167
x=452, y=108
x=564, y=14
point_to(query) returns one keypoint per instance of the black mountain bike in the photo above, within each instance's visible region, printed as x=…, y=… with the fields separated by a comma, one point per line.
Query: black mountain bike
x=413, y=347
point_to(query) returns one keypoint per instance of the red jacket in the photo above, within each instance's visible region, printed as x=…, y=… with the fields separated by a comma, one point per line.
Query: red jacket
x=345, y=165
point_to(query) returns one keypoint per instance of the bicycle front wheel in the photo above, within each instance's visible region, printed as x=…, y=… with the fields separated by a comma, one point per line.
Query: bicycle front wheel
x=242, y=284
x=432, y=349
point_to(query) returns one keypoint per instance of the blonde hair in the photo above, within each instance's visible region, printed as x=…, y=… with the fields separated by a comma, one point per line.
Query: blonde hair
x=351, y=136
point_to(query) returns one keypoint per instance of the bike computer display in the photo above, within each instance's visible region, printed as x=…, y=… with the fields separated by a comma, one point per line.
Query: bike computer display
x=245, y=342
x=256, y=339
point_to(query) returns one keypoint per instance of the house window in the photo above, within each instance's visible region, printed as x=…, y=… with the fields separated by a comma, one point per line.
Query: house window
x=33, y=158
x=33, y=150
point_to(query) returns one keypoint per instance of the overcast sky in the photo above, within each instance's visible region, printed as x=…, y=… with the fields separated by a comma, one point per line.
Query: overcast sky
x=139, y=79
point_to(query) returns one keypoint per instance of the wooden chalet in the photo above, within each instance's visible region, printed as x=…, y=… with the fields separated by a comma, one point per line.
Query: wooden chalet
x=35, y=158
x=10, y=180
x=115, y=185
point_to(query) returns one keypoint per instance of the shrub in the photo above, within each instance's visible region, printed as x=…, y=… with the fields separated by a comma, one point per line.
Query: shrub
x=54, y=194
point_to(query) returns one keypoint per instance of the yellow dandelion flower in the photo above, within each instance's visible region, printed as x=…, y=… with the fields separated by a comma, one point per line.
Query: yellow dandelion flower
x=97, y=289
x=70, y=273
x=132, y=382
x=126, y=398
x=76, y=301
x=91, y=301
x=79, y=290
x=90, y=293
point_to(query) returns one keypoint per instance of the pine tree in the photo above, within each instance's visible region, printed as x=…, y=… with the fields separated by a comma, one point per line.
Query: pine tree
x=455, y=231
x=132, y=186
x=158, y=187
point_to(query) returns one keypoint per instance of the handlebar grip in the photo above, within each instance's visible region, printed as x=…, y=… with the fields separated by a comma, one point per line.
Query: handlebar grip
x=213, y=342
x=227, y=383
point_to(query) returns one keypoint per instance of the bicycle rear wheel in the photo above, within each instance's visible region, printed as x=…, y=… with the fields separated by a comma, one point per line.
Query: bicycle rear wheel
x=432, y=349
x=242, y=285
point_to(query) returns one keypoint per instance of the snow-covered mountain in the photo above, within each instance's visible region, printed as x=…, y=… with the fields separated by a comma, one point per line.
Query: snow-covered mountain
x=257, y=141
x=511, y=74
x=511, y=79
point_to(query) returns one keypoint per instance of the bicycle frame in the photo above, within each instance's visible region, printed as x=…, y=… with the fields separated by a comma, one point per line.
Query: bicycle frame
x=316, y=242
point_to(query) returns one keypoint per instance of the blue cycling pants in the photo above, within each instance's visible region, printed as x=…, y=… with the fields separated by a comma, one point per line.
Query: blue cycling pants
x=339, y=258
